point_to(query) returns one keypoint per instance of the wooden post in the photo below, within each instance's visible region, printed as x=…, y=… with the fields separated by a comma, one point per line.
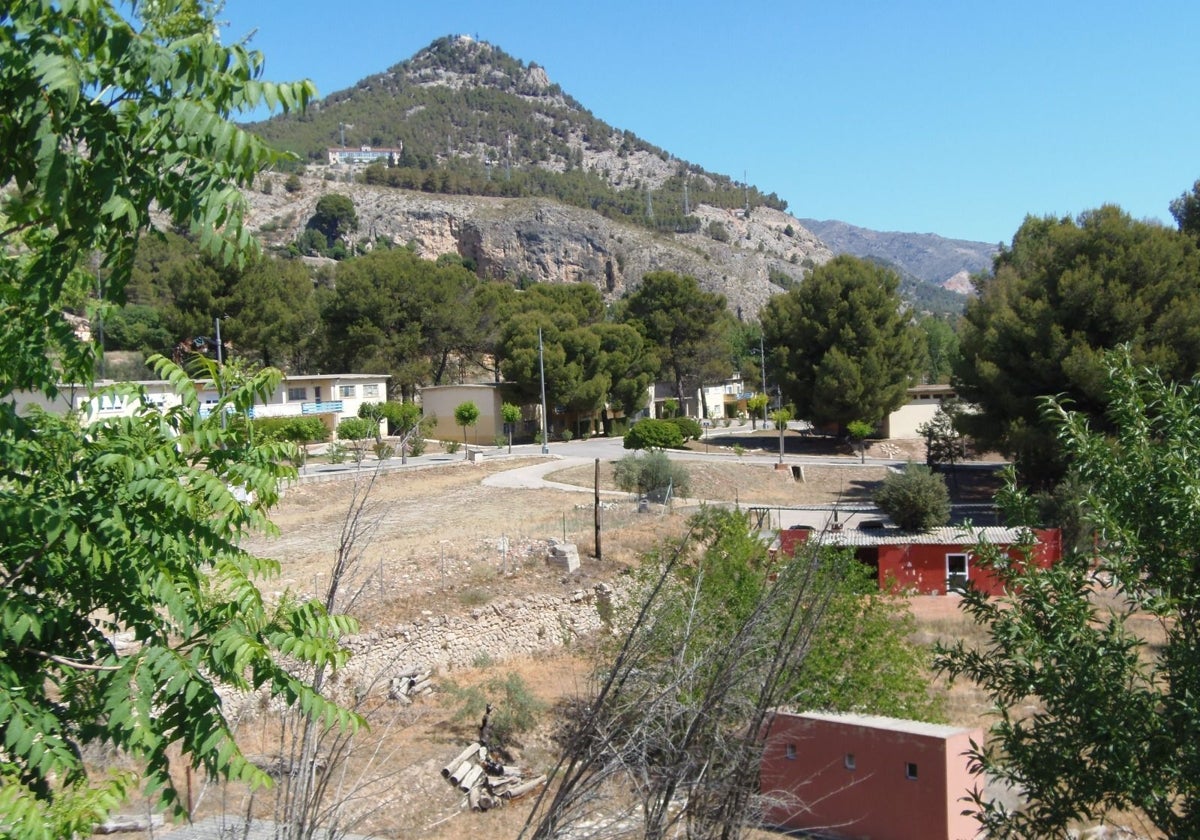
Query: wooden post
x=597, y=506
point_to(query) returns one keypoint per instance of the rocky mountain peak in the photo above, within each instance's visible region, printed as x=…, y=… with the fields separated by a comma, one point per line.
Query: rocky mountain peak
x=460, y=61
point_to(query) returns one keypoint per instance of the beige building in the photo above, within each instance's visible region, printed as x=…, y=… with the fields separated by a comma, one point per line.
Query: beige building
x=923, y=403
x=440, y=401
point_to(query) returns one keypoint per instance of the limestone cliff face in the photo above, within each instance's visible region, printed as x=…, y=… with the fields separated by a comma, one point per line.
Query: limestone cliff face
x=548, y=242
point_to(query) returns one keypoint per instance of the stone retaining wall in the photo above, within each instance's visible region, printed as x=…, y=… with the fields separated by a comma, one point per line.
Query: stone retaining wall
x=492, y=633
x=495, y=632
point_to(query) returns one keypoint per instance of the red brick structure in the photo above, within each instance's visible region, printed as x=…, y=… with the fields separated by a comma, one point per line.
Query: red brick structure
x=867, y=777
x=936, y=561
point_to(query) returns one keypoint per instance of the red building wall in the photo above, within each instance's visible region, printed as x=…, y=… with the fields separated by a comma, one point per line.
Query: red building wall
x=906, y=781
x=921, y=567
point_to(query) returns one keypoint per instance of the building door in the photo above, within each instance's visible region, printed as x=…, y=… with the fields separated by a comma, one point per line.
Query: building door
x=956, y=572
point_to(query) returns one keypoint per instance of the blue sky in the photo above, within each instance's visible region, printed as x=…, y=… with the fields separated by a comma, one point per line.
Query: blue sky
x=956, y=118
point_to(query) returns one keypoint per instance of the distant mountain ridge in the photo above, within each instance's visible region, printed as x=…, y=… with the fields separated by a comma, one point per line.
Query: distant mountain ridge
x=944, y=262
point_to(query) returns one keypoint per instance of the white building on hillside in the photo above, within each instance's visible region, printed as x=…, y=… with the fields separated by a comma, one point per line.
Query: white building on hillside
x=332, y=397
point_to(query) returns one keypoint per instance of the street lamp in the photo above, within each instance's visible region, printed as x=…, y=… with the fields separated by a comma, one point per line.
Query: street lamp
x=542, y=374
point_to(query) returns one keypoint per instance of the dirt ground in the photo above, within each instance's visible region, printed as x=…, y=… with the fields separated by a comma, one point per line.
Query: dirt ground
x=431, y=541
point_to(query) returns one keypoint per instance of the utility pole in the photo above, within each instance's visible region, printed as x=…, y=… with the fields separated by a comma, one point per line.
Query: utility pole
x=686, y=207
x=542, y=374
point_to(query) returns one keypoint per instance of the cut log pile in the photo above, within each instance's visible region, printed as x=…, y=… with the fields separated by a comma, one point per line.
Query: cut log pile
x=487, y=783
x=410, y=684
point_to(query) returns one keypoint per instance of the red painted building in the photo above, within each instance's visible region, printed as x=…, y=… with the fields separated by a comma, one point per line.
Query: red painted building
x=867, y=777
x=936, y=561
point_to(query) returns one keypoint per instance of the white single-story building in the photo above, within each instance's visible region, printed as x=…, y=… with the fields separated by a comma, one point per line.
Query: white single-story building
x=332, y=397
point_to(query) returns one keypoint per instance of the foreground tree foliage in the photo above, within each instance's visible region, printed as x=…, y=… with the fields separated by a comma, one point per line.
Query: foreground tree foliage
x=1114, y=734
x=1066, y=291
x=839, y=345
x=715, y=640
x=127, y=528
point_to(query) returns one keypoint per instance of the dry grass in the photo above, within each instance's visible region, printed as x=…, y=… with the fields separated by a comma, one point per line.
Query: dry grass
x=433, y=546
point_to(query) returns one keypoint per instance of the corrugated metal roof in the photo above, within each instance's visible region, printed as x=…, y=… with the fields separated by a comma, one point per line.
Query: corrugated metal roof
x=949, y=535
x=912, y=727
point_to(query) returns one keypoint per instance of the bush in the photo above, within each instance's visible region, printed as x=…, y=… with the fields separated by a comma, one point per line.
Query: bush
x=515, y=708
x=357, y=428
x=500, y=441
x=915, y=499
x=336, y=453
x=688, y=428
x=567, y=435
x=451, y=446
x=416, y=446
x=293, y=429
x=383, y=451
x=653, y=434
x=652, y=474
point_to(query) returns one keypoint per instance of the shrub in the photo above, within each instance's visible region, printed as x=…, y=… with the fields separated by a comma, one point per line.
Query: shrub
x=652, y=474
x=915, y=499
x=515, y=708
x=718, y=231
x=336, y=453
x=294, y=429
x=567, y=435
x=451, y=446
x=383, y=451
x=357, y=428
x=416, y=446
x=688, y=428
x=653, y=434
x=500, y=441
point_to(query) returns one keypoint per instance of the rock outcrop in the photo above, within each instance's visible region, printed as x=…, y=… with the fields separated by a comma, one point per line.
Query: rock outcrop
x=540, y=240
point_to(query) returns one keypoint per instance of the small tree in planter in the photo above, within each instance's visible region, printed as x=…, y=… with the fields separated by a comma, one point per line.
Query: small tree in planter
x=466, y=414
x=781, y=417
x=859, y=431
x=356, y=430
x=512, y=416
x=757, y=406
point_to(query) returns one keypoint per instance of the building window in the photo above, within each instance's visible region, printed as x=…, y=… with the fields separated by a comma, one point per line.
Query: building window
x=910, y=770
x=791, y=751
x=370, y=392
x=849, y=761
x=346, y=391
x=297, y=394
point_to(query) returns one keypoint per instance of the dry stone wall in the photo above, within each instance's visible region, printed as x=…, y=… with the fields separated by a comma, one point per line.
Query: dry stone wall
x=495, y=632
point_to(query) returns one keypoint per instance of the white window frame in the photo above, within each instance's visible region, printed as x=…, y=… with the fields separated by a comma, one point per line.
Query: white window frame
x=966, y=565
x=292, y=391
x=371, y=391
x=346, y=392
